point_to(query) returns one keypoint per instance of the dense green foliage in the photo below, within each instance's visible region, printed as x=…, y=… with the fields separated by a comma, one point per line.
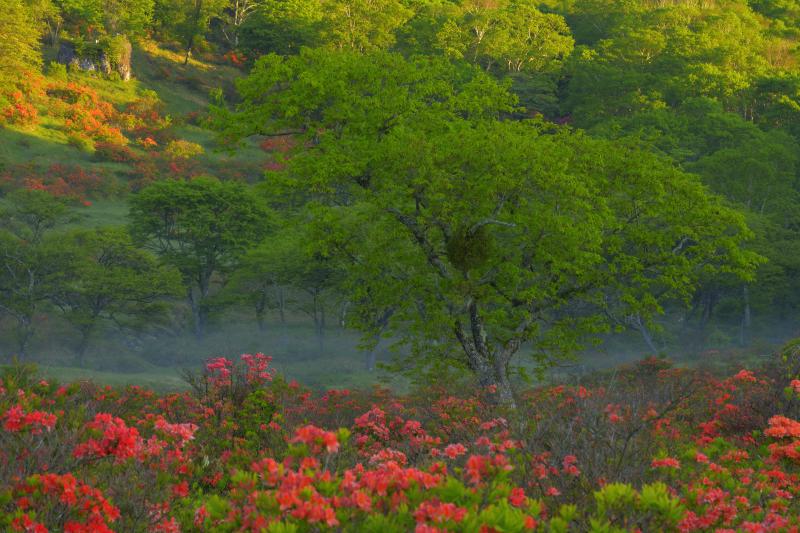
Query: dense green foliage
x=19, y=48
x=480, y=232
x=200, y=228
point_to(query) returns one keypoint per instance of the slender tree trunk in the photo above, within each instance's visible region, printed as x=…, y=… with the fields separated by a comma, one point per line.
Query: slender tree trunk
x=261, y=305
x=639, y=325
x=371, y=359
x=54, y=31
x=321, y=340
x=648, y=339
x=24, y=335
x=744, y=334
x=198, y=9
x=83, y=344
x=262, y=327
x=281, y=297
x=196, y=301
x=319, y=323
x=382, y=323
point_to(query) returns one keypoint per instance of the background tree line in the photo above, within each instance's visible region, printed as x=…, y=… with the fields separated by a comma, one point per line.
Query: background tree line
x=197, y=246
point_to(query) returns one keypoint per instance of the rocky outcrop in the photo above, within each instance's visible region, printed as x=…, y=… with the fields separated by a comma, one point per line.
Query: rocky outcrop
x=107, y=57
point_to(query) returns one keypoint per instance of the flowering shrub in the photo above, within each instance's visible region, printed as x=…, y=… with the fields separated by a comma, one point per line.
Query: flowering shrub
x=85, y=113
x=116, y=153
x=145, y=118
x=654, y=449
x=66, y=181
x=62, y=499
x=20, y=101
x=20, y=111
x=235, y=59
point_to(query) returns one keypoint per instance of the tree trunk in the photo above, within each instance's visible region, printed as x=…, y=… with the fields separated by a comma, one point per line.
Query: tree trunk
x=639, y=325
x=281, y=303
x=198, y=9
x=321, y=341
x=261, y=305
x=54, y=31
x=648, y=339
x=319, y=323
x=371, y=359
x=262, y=326
x=198, y=313
x=83, y=344
x=744, y=334
x=382, y=323
x=489, y=366
x=505, y=393
x=24, y=335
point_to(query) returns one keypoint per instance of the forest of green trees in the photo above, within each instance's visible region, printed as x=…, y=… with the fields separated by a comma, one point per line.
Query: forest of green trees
x=477, y=182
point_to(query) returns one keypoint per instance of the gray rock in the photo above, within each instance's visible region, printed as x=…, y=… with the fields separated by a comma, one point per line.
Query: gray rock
x=122, y=65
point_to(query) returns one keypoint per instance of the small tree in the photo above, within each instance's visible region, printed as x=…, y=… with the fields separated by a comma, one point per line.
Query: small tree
x=287, y=266
x=111, y=279
x=202, y=228
x=31, y=263
x=32, y=213
x=30, y=275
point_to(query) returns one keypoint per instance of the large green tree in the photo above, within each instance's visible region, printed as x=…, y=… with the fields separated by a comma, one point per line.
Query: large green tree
x=484, y=235
x=200, y=227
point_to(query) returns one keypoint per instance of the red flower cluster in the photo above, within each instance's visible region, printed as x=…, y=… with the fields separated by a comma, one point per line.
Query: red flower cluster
x=666, y=462
x=20, y=111
x=91, y=512
x=16, y=419
x=117, y=440
x=316, y=439
x=258, y=371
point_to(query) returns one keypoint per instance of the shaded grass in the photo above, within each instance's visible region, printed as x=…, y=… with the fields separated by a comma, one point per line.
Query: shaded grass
x=102, y=213
x=162, y=380
x=41, y=146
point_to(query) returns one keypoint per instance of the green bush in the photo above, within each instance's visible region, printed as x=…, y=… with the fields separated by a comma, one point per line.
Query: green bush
x=57, y=71
x=84, y=144
x=181, y=149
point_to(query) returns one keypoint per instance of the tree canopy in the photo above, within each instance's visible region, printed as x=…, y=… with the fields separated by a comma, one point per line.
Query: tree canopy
x=201, y=228
x=485, y=234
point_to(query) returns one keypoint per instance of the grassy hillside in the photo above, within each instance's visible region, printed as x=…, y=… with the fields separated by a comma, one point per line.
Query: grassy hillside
x=183, y=94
